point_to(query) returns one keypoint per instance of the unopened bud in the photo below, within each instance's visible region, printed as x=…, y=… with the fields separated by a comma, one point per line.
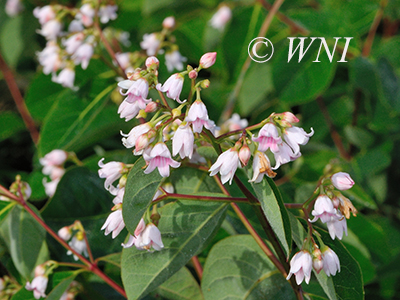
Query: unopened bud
x=336, y=202
x=176, y=112
x=289, y=117
x=317, y=260
x=168, y=187
x=169, y=23
x=208, y=59
x=205, y=84
x=342, y=181
x=65, y=233
x=151, y=107
x=122, y=181
x=189, y=68
x=152, y=63
x=193, y=74
x=142, y=114
x=244, y=155
x=142, y=142
x=40, y=270
x=155, y=217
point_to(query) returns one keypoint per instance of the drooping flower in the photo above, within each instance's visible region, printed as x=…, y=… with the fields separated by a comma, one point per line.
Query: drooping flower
x=66, y=78
x=342, y=181
x=331, y=262
x=284, y=155
x=44, y=14
x=78, y=244
x=51, y=29
x=56, y=157
x=198, y=117
x=226, y=165
x=159, y=157
x=129, y=140
x=123, y=59
x=86, y=14
x=50, y=187
x=261, y=167
x=137, y=90
x=174, y=60
x=268, y=137
x=221, y=17
x=173, y=87
x=183, y=141
x=111, y=171
x=150, y=43
x=107, y=13
x=38, y=286
x=13, y=8
x=301, y=266
x=65, y=233
x=208, y=59
x=115, y=223
x=324, y=210
x=73, y=42
x=49, y=58
x=295, y=136
x=147, y=237
x=336, y=227
x=83, y=54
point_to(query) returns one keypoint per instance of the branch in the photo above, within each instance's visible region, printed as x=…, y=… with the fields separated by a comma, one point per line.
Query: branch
x=19, y=100
x=372, y=31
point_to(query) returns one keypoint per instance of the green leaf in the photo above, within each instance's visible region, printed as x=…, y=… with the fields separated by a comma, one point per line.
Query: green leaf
x=25, y=239
x=185, y=227
x=60, y=283
x=237, y=268
x=364, y=76
x=139, y=192
x=80, y=193
x=114, y=259
x=5, y=208
x=71, y=125
x=359, y=136
x=181, y=286
x=256, y=85
x=12, y=43
x=274, y=210
x=300, y=82
x=23, y=294
x=10, y=124
x=390, y=83
x=357, y=194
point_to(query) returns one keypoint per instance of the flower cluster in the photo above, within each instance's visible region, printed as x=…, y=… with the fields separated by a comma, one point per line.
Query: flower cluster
x=75, y=46
x=39, y=283
x=78, y=241
x=332, y=208
x=53, y=163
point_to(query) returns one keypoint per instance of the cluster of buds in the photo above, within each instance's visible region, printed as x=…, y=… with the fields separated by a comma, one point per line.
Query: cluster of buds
x=332, y=208
x=66, y=49
x=53, y=166
x=75, y=234
x=304, y=261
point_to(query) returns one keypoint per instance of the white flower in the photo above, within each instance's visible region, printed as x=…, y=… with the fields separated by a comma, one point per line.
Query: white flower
x=50, y=187
x=65, y=233
x=136, y=90
x=129, y=140
x=221, y=17
x=226, y=165
x=147, y=237
x=331, y=262
x=236, y=123
x=336, y=227
x=111, y=171
x=268, y=137
x=182, y=141
x=13, y=7
x=284, y=155
x=198, y=116
x=169, y=23
x=83, y=54
x=38, y=286
x=123, y=59
x=75, y=26
x=49, y=58
x=51, y=29
x=55, y=172
x=261, y=167
x=73, y=42
x=295, y=136
x=174, y=60
x=56, y=157
x=173, y=87
x=150, y=43
x=342, y=181
x=115, y=222
x=300, y=266
x=159, y=157
x=107, y=13
x=78, y=244
x=324, y=210
x=44, y=14
x=66, y=78
x=86, y=14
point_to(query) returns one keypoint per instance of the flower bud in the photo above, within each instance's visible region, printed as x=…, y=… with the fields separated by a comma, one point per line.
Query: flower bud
x=40, y=270
x=65, y=233
x=208, y=59
x=289, y=117
x=152, y=62
x=122, y=181
x=169, y=23
x=205, y=84
x=244, y=155
x=342, y=181
x=142, y=114
x=193, y=74
x=317, y=260
x=176, y=112
x=336, y=202
x=151, y=107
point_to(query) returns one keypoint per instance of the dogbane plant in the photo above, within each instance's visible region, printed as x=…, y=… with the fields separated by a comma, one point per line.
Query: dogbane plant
x=185, y=175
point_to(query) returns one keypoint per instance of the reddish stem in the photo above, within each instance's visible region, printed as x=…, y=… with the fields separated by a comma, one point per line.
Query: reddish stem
x=200, y=198
x=19, y=100
x=197, y=266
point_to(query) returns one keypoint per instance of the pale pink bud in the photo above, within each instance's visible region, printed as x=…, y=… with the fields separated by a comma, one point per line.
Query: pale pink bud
x=54, y=158
x=317, y=260
x=151, y=107
x=40, y=270
x=169, y=23
x=86, y=14
x=331, y=262
x=208, y=59
x=221, y=17
x=65, y=233
x=342, y=181
x=13, y=8
x=152, y=62
x=244, y=155
x=289, y=117
x=226, y=165
x=50, y=187
x=193, y=74
x=301, y=266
